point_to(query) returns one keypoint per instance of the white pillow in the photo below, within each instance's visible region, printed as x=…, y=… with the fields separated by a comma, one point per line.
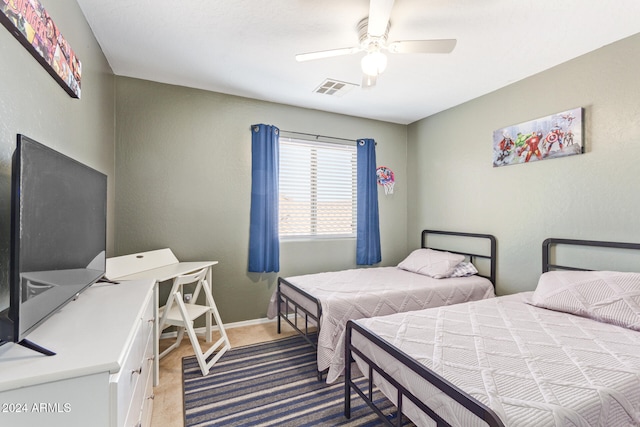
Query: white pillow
x=429, y=262
x=605, y=296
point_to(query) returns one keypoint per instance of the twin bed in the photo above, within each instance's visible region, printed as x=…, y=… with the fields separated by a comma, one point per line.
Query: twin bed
x=567, y=354
x=428, y=277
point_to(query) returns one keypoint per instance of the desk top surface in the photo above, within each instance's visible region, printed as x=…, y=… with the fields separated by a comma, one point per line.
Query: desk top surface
x=168, y=272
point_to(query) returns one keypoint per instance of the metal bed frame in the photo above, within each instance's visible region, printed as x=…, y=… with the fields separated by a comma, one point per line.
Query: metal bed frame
x=291, y=307
x=474, y=406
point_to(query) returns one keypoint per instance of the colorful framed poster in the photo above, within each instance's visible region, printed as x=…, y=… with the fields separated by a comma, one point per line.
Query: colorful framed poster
x=557, y=135
x=30, y=23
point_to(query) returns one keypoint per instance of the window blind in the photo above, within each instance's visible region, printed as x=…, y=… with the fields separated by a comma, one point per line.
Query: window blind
x=317, y=187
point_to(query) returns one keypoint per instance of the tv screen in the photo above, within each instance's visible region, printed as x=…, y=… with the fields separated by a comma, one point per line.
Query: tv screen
x=58, y=241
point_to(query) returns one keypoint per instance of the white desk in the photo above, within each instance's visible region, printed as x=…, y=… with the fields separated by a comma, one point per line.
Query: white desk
x=169, y=272
x=162, y=265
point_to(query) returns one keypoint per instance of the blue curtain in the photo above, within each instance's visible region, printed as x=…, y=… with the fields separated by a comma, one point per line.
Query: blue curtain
x=368, y=227
x=264, y=244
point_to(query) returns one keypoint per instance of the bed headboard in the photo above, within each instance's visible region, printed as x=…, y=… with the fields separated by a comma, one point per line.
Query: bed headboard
x=482, y=253
x=550, y=245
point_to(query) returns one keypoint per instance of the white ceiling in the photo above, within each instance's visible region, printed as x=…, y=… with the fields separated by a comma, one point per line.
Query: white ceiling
x=247, y=47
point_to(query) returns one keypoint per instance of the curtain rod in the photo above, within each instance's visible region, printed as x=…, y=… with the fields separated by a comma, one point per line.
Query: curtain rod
x=318, y=136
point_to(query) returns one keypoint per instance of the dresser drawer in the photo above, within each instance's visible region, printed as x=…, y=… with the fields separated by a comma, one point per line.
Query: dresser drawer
x=147, y=404
x=143, y=387
x=149, y=319
x=129, y=384
x=142, y=405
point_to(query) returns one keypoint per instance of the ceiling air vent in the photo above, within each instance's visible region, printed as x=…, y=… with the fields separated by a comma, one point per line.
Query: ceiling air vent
x=334, y=87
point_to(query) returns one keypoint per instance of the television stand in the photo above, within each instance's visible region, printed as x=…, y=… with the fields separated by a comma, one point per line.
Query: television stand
x=102, y=374
x=35, y=347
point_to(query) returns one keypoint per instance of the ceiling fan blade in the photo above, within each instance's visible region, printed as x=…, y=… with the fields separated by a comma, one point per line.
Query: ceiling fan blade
x=379, y=14
x=326, y=53
x=422, y=46
x=368, y=81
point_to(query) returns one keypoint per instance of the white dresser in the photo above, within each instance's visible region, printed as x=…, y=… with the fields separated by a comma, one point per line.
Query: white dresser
x=102, y=374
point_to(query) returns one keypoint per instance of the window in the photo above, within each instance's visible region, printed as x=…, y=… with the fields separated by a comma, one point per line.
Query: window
x=317, y=186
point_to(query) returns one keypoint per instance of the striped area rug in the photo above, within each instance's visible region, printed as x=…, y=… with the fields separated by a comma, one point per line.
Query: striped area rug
x=271, y=384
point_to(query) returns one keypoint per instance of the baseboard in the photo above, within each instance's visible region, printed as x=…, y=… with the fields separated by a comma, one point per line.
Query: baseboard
x=252, y=322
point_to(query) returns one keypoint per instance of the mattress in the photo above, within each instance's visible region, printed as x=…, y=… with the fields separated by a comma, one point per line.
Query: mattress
x=368, y=292
x=531, y=366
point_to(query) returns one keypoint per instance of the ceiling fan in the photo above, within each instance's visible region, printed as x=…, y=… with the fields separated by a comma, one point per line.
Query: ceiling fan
x=373, y=32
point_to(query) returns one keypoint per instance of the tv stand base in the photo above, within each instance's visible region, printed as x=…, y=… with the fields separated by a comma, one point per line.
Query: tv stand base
x=35, y=347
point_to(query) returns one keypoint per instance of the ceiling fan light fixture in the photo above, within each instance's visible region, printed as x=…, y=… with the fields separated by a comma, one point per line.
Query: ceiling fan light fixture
x=374, y=63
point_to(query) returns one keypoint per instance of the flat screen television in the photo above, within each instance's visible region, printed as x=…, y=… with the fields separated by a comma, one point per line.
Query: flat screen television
x=58, y=236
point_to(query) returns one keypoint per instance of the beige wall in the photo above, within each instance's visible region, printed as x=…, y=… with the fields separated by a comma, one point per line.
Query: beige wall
x=183, y=162
x=32, y=103
x=453, y=185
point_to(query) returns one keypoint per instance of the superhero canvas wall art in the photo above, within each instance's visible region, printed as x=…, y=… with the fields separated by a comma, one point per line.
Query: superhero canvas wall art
x=557, y=135
x=32, y=26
